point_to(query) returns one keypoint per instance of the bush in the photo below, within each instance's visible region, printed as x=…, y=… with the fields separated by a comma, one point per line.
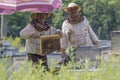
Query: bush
x=106, y=71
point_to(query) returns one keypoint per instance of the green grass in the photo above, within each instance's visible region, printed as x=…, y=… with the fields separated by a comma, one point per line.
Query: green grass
x=106, y=71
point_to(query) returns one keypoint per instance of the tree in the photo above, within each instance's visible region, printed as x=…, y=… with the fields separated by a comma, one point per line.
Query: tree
x=17, y=21
x=103, y=16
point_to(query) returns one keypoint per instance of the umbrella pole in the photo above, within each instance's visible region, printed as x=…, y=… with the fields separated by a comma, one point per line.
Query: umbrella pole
x=2, y=19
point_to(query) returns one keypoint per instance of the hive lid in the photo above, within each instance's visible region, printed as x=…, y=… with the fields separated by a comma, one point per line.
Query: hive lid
x=115, y=33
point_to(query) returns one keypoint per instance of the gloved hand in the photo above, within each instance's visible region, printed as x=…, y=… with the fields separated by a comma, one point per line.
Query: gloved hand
x=59, y=32
x=36, y=35
x=65, y=58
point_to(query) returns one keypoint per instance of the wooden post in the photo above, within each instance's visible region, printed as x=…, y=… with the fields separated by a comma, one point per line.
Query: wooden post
x=2, y=19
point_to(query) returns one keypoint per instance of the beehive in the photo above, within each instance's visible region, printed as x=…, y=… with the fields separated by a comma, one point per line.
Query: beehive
x=93, y=54
x=49, y=44
x=115, y=41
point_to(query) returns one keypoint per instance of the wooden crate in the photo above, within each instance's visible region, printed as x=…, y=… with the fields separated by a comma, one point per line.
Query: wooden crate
x=49, y=44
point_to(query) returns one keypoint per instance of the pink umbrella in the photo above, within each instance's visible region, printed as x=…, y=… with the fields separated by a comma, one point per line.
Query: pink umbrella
x=11, y=6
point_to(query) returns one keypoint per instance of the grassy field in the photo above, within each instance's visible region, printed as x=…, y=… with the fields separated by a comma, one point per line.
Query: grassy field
x=109, y=70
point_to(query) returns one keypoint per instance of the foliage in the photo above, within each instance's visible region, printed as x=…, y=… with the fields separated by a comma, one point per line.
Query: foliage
x=3, y=69
x=106, y=71
x=17, y=21
x=15, y=42
x=103, y=16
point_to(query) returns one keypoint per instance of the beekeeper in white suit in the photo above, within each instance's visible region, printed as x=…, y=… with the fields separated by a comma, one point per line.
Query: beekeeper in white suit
x=76, y=29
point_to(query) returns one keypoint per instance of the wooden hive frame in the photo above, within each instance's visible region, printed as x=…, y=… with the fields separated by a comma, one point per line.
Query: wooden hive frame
x=49, y=44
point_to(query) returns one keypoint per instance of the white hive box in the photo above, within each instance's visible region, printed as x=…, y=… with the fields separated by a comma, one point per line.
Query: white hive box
x=19, y=58
x=54, y=57
x=115, y=41
x=13, y=61
x=92, y=53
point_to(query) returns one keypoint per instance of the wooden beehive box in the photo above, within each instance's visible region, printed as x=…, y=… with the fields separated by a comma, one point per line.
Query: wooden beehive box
x=49, y=44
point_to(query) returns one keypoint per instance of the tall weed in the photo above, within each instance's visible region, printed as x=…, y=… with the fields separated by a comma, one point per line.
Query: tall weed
x=106, y=71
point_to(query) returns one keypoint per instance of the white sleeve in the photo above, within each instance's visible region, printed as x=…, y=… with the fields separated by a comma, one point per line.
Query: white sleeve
x=64, y=41
x=53, y=30
x=27, y=32
x=92, y=34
